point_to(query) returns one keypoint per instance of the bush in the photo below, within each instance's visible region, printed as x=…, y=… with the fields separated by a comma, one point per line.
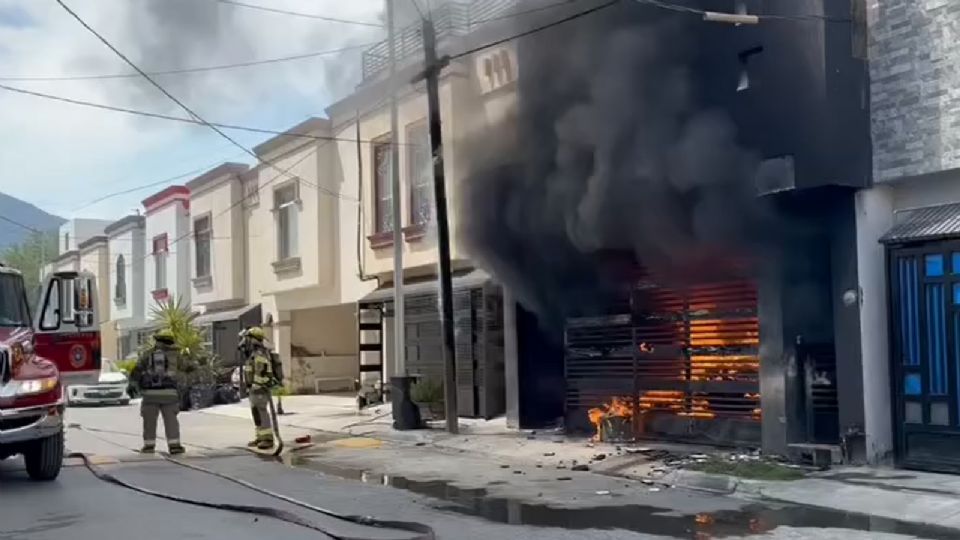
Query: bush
x=427, y=391
x=126, y=366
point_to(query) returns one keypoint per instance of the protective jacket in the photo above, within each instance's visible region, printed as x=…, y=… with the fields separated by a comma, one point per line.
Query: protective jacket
x=258, y=370
x=157, y=370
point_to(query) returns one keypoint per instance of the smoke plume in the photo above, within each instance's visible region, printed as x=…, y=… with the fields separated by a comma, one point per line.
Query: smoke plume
x=610, y=149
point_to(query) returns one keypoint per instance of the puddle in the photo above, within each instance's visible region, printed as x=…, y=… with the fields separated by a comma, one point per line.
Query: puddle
x=752, y=519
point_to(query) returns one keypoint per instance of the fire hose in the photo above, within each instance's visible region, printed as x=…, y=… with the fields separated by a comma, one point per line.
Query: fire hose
x=422, y=531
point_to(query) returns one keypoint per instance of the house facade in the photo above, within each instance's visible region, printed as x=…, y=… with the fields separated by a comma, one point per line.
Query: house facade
x=74, y=232
x=94, y=257
x=126, y=239
x=474, y=92
x=219, y=270
x=908, y=237
x=166, y=230
x=301, y=215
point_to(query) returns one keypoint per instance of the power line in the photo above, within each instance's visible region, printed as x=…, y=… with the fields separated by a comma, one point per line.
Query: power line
x=558, y=22
x=654, y=3
x=417, y=6
x=150, y=184
x=696, y=11
x=200, y=69
x=299, y=14
x=184, y=106
x=21, y=225
x=172, y=118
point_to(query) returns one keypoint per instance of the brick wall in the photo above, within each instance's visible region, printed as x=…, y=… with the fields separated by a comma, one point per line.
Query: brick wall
x=915, y=86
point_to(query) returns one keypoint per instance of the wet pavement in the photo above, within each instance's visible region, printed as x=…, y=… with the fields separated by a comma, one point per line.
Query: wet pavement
x=750, y=520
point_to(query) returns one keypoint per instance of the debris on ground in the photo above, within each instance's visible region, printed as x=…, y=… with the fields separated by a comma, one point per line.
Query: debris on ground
x=603, y=492
x=580, y=468
x=599, y=457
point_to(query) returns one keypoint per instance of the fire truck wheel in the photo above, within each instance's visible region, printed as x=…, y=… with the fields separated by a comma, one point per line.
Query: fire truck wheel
x=44, y=458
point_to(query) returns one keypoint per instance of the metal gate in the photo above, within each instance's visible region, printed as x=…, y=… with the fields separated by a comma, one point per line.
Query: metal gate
x=685, y=364
x=925, y=331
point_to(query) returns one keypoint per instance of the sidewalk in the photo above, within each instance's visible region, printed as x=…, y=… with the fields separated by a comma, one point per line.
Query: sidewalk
x=922, y=498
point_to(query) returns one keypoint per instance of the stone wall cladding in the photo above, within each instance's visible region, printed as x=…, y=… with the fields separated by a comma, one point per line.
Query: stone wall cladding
x=915, y=86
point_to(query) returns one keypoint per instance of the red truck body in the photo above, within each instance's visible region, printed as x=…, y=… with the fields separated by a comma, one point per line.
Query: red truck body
x=40, y=354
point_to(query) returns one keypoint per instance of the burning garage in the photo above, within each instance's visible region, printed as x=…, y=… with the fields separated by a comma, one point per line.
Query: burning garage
x=671, y=208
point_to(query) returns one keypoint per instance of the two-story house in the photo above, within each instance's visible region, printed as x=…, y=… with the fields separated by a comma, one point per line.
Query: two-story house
x=219, y=261
x=167, y=233
x=127, y=250
x=475, y=92
x=94, y=257
x=301, y=216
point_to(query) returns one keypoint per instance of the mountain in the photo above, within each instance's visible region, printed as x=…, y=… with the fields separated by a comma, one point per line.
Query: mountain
x=25, y=213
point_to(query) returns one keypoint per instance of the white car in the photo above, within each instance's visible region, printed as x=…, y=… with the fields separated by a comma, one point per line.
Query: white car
x=111, y=389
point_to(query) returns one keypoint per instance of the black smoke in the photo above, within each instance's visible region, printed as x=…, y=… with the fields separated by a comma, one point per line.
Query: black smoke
x=611, y=148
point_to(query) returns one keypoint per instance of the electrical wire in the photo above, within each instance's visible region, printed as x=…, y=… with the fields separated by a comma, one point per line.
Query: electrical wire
x=21, y=225
x=534, y=30
x=165, y=181
x=299, y=14
x=654, y=3
x=184, y=106
x=200, y=69
x=696, y=11
x=193, y=121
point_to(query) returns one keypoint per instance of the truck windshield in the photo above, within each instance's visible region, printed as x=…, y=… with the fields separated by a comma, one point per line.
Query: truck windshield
x=13, y=306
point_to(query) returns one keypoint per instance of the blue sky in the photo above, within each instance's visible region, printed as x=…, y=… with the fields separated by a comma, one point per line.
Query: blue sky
x=61, y=156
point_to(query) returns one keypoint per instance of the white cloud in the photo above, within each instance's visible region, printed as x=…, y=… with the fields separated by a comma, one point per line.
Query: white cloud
x=60, y=155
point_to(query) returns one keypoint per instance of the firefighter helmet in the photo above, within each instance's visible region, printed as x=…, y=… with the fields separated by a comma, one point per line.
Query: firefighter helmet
x=164, y=335
x=256, y=333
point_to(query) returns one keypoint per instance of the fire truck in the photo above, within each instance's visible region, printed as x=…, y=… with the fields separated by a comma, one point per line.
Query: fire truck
x=43, y=351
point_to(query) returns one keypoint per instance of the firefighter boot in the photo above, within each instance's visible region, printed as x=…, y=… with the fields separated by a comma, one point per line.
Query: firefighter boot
x=265, y=443
x=176, y=449
x=148, y=448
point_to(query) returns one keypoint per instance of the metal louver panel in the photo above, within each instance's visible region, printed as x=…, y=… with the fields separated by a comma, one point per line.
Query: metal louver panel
x=683, y=362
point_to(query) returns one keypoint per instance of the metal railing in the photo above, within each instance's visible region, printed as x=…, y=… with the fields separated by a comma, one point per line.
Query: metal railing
x=450, y=20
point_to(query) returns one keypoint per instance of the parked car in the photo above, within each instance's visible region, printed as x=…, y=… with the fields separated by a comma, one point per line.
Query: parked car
x=111, y=389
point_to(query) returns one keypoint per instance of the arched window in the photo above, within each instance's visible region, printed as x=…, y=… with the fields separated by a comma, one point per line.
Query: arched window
x=120, y=290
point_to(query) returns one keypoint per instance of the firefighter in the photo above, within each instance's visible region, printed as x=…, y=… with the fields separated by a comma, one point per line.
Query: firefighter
x=156, y=375
x=260, y=379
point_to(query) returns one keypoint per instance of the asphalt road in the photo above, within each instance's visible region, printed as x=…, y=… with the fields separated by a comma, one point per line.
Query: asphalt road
x=80, y=507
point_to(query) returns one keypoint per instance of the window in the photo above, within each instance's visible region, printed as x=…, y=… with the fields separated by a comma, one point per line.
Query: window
x=383, y=186
x=285, y=204
x=419, y=173
x=202, y=236
x=120, y=289
x=506, y=67
x=66, y=242
x=160, y=251
x=13, y=304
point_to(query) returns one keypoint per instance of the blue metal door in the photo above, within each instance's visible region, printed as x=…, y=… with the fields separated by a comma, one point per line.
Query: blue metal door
x=925, y=330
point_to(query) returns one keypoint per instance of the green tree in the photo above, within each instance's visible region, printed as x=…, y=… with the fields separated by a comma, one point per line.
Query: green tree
x=30, y=255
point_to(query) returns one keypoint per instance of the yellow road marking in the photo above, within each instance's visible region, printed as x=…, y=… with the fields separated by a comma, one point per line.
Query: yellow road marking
x=357, y=442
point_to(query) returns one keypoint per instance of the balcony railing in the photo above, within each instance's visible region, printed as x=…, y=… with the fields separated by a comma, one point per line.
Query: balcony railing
x=450, y=20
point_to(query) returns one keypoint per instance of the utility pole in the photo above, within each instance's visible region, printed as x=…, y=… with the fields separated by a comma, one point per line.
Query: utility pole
x=432, y=67
x=399, y=350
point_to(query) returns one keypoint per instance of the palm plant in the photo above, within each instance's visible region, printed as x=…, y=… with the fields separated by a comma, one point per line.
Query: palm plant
x=196, y=359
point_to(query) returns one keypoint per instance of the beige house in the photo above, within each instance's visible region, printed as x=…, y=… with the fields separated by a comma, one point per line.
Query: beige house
x=94, y=257
x=475, y=92
x=301, y=216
